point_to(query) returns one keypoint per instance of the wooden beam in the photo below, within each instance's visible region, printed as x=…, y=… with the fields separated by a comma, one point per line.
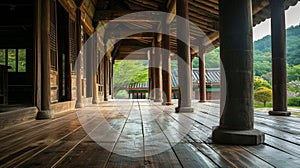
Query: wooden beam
x=171, y=8
x=113, y=14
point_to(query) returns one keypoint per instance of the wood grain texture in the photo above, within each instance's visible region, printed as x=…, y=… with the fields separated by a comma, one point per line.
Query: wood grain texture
x=137, y=130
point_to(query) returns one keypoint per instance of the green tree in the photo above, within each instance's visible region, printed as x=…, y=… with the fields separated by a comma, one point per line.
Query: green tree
x=263, y=94
x=294, y=87
x=260, y=82
x=212, y=59
x=127, y=72
x=294, y=73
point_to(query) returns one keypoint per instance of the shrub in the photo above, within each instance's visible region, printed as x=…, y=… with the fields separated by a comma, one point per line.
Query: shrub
x=263, y=94
x=294, y=101
x=260, y=82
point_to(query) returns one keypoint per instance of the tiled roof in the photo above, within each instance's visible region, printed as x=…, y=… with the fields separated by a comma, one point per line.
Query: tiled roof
x=212, y=76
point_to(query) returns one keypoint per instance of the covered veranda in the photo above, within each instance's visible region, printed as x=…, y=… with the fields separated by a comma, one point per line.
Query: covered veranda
x=65, y=142
x=193, y=133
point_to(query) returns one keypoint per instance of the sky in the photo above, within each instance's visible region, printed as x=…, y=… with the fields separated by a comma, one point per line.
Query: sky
x=292, y=18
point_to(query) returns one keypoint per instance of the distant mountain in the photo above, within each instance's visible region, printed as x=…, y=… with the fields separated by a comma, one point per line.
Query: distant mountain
x=263, y=46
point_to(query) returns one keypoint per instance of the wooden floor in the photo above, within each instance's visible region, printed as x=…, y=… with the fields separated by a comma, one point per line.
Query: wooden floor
x=140, y=129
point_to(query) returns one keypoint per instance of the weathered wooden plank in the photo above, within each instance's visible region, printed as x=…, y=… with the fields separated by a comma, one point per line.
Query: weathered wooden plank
x=86, y=154
x=47, y=134
x=283, y=145
x=190, y=157
x=239, y=157
x=215, y=157
x=45, y=140
x=279, y=134
x=280, y=125
x=48, y=155
x=158, y=151
x=274, y=156
x=31, y=125
x=100, y=142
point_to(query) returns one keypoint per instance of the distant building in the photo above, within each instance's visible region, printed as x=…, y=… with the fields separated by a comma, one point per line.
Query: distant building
x=140, y=90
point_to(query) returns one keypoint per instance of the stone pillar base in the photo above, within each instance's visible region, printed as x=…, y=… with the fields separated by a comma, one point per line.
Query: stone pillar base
x=157, y=100
x=280, y=113
x=202, y=101
x=45, y=114
x=79, y=105
x=95, y=101
x=184, y=110
x=237, y=137
x=167, y=103
x=105, y=99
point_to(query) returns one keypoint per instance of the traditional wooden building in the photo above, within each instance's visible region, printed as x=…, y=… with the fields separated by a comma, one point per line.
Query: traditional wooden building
x=47, y=72
x=212, y=75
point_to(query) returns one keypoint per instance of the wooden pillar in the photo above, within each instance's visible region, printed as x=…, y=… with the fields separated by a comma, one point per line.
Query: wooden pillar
x=79, y=101
x=109, y=76
x=149, y=80
x=106, y=82
x=157, y=73
x=112, y=78
x=89, y=67
x=166, y=66
x=278, y=59
x=184, y=60
x=37, y=54
x=202, y=78
x=236, y=122
x=95, y=67
x=45, y=111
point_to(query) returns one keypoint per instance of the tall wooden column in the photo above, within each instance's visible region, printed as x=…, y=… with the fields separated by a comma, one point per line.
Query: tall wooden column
x=184, y=60
x=157, y=73
x=236, y=123
x=166, y=66
x=79, y=100
x=37, y=54
x=202, y=78
x=106, y=73
x=278, y=59
x=45, y=111
x=95, y=67
x=151, y=76
x=112, y=78
x=89, y=67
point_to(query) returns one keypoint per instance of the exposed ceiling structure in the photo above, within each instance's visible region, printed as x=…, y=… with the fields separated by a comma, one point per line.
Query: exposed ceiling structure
x=203, y=13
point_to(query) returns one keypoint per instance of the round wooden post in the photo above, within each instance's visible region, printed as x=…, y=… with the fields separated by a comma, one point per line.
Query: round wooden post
x=112, y=79
x=45, y=111
x=202, y=78
x=150, y=87
x=106, y=87
x=79, y=100
x=157, y=73
x=184, y=60
x=166, y=66
x=278, y=59
x=95, y=67
x=236, y=123
x=152, y=73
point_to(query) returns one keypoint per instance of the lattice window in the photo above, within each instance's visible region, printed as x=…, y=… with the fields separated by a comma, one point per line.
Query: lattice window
x=72, y=38
x=53, y=35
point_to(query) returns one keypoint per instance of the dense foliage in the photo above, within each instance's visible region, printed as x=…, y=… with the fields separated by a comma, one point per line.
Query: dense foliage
x=260, y=82
x=127, y=72
x=294, y=101
x=263, y=94
x=263, y=56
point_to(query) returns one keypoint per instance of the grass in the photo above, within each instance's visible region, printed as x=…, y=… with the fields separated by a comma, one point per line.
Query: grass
x=261, y=105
